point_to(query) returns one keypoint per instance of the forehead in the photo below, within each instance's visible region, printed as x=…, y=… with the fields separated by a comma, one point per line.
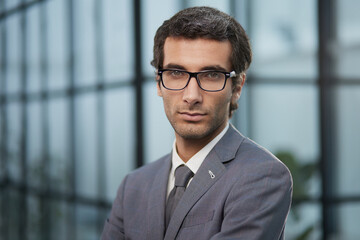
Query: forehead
x=194, y=54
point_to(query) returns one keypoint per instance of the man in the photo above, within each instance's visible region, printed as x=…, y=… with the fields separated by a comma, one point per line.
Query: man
x=216, y=184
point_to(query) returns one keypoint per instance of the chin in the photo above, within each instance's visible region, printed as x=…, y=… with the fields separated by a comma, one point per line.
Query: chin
x=192, y=132
x=192, y=136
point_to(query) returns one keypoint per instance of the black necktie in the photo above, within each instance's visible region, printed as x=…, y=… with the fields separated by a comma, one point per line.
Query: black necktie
x=182, y=177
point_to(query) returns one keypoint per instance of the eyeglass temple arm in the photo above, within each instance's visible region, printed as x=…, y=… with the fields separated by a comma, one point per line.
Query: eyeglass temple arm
x=233, y=74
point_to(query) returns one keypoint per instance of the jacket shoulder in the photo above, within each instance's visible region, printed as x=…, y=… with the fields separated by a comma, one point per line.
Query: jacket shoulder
x=250, y=158
x=150, y=168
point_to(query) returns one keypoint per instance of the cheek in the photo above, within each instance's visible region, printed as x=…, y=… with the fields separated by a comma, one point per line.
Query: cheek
x=222, y=105
x=168, y=104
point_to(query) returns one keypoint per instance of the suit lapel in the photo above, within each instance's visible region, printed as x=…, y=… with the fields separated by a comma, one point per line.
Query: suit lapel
x=228, y=146
x=157, y=201
x=209, y=172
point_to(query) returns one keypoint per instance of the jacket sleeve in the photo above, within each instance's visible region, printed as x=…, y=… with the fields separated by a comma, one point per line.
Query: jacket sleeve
x=114, y=225
x=258, y=204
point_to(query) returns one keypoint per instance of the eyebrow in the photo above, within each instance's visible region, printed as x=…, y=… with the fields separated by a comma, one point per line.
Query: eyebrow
x=210, y=67
x=174, y=66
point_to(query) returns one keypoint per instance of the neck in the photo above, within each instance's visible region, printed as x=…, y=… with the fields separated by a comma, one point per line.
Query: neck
x=186, y=148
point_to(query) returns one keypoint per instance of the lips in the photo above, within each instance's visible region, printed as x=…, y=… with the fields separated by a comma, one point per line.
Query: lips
x=192, y=116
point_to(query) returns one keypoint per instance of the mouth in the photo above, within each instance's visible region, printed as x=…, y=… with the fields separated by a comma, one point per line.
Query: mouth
x=192, y=116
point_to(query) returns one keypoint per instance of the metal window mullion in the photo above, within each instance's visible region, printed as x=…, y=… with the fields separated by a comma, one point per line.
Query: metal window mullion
x=100, y=109
x=249, y=83
x=4, y=181
x=237, y=10
x=23, y=209
x=45, y=204
x=326, y=65
x=139, y=79
x=3, y=102
x=71, y=168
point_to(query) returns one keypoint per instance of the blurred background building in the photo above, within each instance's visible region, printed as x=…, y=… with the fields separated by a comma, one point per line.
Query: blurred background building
x=79, y=110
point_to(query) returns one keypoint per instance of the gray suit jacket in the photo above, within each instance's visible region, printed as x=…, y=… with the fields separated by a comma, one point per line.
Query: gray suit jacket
x=249, y=197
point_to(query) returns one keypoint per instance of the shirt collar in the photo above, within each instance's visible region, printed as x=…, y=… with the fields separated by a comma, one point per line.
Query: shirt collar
x=196, y=160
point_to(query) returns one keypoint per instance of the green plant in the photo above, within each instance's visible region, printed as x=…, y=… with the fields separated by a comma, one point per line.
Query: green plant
x=302, y=174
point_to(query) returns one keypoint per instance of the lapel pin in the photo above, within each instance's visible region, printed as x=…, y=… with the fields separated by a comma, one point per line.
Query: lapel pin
x=212, y=175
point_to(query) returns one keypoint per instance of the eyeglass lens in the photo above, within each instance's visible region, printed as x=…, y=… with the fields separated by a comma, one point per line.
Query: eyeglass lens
x=177, y=80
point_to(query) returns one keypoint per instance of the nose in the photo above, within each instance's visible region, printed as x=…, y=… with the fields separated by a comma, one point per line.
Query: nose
x=192, y=93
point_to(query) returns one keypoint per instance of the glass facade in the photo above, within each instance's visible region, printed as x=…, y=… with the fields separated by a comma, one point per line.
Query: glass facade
x=79, y=108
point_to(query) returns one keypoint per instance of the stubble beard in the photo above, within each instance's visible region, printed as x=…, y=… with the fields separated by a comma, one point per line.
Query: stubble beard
x=191, y=132
x=195, y=131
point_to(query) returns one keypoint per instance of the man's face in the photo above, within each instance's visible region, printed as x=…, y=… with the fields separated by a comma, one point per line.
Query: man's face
x=193, y=112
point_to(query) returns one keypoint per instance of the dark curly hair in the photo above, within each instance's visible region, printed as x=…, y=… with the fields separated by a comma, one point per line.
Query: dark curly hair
x=209, y=23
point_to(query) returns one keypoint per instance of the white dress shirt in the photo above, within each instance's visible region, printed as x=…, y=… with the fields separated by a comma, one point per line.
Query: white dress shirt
x=194, y=162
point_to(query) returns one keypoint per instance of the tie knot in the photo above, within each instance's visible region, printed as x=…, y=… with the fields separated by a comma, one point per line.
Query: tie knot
x=182, y=176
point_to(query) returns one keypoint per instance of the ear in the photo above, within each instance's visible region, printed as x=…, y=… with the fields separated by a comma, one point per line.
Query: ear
x=158, y=87
x=238, y=88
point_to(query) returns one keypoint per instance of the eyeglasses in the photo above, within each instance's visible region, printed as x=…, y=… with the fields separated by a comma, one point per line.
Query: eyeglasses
x=211, y=81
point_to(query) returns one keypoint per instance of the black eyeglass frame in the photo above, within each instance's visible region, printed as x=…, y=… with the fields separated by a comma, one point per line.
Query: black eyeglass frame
x=195, y=75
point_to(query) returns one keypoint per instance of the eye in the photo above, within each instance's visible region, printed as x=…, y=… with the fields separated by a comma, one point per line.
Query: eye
x=175, y=73
x=213, y=75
